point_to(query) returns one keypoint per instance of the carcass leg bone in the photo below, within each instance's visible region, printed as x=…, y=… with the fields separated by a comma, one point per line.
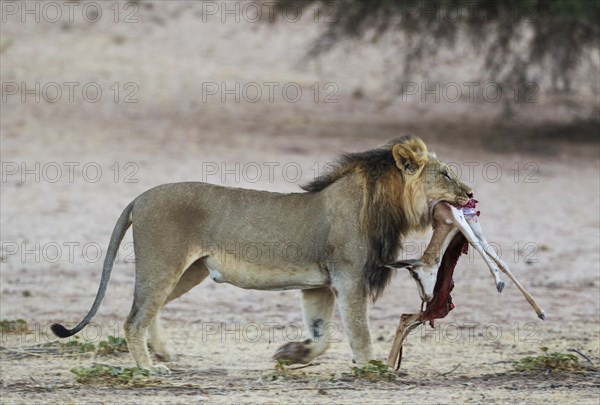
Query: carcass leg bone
x=484, y=249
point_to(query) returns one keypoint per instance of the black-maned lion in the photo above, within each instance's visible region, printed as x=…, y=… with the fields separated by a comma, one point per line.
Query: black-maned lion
x=330, y=242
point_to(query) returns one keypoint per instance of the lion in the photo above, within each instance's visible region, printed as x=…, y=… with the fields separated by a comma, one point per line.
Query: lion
x=330, y=241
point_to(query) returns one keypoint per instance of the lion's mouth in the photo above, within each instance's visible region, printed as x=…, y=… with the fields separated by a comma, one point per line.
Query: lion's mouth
x=458, y=203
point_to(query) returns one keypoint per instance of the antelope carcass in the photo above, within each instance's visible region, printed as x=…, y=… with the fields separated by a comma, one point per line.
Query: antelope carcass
x=453, y=230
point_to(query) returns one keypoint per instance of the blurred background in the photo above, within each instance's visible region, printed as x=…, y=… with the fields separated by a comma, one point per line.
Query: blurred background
x=103, y=100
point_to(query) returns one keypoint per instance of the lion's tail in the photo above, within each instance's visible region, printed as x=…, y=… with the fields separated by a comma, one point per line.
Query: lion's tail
x=113, y=247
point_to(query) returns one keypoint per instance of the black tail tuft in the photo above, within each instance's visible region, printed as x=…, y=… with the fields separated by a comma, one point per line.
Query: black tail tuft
x=61, y=331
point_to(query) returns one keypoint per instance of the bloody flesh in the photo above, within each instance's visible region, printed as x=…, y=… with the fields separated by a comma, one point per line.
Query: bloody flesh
x=441, y=304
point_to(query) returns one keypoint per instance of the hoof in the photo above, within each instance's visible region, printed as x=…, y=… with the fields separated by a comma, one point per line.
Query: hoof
x=542, y=316
x=293, y=353
x=159, y=369
x=500, y=286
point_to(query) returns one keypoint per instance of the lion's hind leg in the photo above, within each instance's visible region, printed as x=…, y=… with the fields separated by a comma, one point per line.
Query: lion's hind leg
x=190, y=278
x=317, y=309
x=154, y=281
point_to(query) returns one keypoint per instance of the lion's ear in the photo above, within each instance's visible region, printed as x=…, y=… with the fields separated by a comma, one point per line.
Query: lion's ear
x=410, y=155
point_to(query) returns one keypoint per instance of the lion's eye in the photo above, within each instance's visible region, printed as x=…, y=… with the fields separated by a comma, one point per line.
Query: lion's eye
x=446, y=175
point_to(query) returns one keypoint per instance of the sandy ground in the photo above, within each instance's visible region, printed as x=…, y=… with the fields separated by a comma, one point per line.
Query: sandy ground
x=539, y=197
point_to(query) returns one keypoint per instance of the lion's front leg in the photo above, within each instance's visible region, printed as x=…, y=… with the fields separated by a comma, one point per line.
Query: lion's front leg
x=317, y=310
x=353, y=304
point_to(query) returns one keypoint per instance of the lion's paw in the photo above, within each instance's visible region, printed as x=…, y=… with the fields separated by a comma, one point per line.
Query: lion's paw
x=160, y=369
x=293, y=353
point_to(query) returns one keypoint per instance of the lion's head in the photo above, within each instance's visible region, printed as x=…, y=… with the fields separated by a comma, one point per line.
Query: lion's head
x=426, y=179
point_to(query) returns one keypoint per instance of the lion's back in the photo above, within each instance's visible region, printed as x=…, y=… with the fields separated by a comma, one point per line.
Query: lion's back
x=233, y=214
